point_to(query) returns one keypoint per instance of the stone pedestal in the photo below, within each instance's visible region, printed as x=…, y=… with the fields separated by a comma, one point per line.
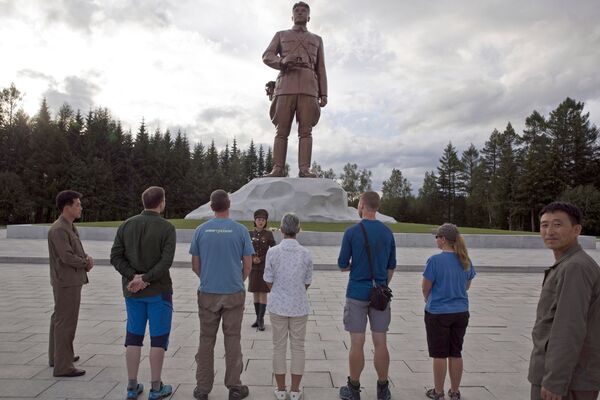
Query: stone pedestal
x=311, y=199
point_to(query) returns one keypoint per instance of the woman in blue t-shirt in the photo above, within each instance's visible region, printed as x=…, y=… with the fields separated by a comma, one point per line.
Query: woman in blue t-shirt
x=446, y=279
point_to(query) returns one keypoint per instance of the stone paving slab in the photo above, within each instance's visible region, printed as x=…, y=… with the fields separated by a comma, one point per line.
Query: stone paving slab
x=496, y=350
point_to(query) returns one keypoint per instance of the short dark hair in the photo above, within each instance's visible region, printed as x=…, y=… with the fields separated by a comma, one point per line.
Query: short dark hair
x=301, y=4
x=574, y=212
x=219, y=200
x=66, y=198
x=152, y=197
x=371, y=200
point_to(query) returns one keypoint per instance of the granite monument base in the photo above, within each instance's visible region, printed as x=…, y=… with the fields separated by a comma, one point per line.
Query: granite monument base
x=311, y=199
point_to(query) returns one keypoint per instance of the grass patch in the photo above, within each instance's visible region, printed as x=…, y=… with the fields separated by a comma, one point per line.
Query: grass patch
x=400, y=227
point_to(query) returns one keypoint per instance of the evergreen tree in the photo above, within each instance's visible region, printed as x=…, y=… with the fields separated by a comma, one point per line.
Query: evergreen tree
x=505, y=193
x=469, y=162
x=448, y=179
x=251, y=162
x=269, y=160
x=261, y=161
x=430, y=203
x=238, y=177
x=574, y=145
x=396, y=196
x=534, y=181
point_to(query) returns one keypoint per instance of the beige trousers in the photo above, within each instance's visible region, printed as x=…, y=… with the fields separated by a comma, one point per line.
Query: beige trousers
x=295, y=328
x=228, y=310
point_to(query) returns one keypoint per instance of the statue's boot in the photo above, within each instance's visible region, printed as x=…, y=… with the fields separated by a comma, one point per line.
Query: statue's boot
x=279, y=153
x=304, y=156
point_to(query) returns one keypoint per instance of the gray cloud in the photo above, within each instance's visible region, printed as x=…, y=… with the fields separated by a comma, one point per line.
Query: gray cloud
x=79, y=94
x=7, y=8
x=29, y=73
x=84, y=14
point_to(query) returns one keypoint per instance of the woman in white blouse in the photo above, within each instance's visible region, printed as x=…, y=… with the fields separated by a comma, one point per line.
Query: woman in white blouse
x=288, y=273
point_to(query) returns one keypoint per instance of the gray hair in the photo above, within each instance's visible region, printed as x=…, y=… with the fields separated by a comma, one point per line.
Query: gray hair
x=290, y=224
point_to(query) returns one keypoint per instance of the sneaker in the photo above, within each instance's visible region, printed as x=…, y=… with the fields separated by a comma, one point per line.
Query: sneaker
x=349, y=392
x=135, y=392
x=200, y=396
x=295, y=395
x=383, y=391
x=433, y=395
x=454, y=395
x=165, y=390
x=280, y=394
x=238, y=392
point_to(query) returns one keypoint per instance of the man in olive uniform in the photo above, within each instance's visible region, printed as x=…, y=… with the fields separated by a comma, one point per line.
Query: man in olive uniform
x=300, y=89
x=69, y=266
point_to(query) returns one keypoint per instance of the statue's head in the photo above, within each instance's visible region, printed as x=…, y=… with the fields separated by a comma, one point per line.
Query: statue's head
x=300, y=13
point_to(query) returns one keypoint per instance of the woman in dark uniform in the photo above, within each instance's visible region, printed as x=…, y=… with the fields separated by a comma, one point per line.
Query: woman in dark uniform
x=262, y=239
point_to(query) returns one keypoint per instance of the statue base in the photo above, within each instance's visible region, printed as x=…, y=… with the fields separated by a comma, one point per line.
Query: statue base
x=311, y=199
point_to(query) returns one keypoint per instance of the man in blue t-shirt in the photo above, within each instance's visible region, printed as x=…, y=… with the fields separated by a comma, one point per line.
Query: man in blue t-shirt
x=354, y=258
x=221, y=252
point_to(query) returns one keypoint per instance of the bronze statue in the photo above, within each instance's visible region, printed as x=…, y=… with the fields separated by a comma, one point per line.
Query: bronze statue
x=300, y=89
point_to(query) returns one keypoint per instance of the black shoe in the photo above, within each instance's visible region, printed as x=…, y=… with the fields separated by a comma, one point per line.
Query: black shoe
x=257, y=311
x=350, y=392
x=383, y=391
x=75, y=372
x=75, y=359
x=200, y=396
x=238, y=392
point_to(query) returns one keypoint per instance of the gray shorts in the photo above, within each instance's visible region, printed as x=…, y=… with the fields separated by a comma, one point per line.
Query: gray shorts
x=356, y=313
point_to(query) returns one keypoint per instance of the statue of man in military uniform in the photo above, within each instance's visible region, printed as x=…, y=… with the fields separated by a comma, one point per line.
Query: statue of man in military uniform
x=300, y=89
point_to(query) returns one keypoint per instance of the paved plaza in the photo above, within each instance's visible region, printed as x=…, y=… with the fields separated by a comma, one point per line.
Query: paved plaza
x=497, y=344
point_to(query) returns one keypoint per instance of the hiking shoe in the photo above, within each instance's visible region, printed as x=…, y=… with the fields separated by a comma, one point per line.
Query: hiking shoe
x=165, y=390
x=433, y=395
x=350, y=392
x=280, y=394
x=295, y=395
x=383, y=391
x=454, y=395
x=200, y=396
x=238, y=392
x=135, y=392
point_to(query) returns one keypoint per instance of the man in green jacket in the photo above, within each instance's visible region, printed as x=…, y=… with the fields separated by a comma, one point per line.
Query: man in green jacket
x=565, y=361
x=142, y=253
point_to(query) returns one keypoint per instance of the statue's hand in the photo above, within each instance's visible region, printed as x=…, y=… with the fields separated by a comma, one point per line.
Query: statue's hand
x=323, y=101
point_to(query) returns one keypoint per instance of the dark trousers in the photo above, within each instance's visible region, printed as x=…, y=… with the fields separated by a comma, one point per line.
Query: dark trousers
x=572, y=395
x=63, y=324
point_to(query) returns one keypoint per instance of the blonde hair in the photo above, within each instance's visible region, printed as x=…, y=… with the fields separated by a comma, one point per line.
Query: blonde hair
x=460, y=247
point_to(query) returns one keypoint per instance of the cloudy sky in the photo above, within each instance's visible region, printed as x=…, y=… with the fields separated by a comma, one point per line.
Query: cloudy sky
x=405, y=77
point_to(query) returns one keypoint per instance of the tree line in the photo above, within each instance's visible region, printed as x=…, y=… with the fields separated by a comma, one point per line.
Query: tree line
x=41, y=155
x=502, y=185
x=506, y=183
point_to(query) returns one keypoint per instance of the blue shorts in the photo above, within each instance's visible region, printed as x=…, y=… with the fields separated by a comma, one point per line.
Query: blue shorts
x=158, y=310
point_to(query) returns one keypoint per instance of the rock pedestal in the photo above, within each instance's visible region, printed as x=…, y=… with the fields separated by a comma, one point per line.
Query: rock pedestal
x=311, y=199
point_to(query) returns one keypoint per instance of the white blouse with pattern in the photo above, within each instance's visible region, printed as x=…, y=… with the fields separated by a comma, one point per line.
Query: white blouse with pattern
x=288, y=267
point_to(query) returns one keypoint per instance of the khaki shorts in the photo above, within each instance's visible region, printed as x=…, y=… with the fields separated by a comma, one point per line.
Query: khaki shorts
x=356, y=313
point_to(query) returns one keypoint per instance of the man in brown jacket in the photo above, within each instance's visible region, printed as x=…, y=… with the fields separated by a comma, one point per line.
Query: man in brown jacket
x=300, y=89
x=68, y=273
x=565, y=361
